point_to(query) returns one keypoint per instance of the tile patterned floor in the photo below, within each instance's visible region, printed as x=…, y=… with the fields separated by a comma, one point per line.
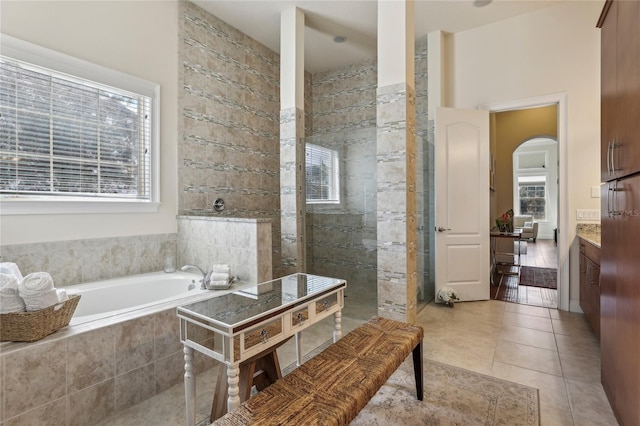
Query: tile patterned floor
x=551, y=350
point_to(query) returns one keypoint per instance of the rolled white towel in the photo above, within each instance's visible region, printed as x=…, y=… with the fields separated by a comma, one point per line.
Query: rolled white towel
x=37, y=291
x=12, y=269
x=220, y=268
x=62, y=295
x=36, y=282
x=219, y=276
x=10, y=300
x=8, y=284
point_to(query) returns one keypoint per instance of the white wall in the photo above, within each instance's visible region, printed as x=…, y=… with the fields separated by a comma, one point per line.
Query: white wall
x=553, y=50
x=134, y=37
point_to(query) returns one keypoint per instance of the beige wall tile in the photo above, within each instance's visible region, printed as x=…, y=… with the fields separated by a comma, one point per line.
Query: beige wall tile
x=134, y=344
x=53, y=413
x=92, y=404
x=168, y=371
x=166, y=334
x=91, y=358
x=134, y=386
x=34, y=377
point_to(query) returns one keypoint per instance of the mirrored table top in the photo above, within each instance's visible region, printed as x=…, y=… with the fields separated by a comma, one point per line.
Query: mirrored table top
x=261, y=301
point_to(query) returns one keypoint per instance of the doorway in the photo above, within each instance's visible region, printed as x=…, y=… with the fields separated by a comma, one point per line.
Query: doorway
x=502, y=198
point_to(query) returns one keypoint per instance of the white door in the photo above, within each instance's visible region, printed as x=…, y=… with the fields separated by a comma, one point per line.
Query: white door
x=462, y=202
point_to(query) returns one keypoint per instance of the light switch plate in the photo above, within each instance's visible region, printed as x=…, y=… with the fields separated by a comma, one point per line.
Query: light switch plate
x=595, y=192
x=587, y=214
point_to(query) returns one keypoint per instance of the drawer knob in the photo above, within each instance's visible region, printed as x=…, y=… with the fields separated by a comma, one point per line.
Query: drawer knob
x=300, y=318
x=265, y=335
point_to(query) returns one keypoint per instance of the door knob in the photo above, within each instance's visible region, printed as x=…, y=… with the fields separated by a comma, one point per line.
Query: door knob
x=441, y=229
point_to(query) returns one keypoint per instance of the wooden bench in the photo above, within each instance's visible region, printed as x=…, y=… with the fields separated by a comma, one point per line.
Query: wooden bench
x=332, y=387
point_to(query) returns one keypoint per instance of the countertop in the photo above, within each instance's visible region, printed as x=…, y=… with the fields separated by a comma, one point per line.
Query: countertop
x=589, y=232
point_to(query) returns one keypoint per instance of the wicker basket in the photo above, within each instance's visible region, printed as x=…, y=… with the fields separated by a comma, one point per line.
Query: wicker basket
x=32, y=326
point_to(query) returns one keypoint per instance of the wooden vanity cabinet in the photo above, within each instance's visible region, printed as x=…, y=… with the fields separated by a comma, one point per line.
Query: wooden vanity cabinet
x=590, y=284
x=620, y=220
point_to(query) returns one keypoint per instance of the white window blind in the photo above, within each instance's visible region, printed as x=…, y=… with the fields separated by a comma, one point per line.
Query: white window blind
x=532, y=196
x=66, y=136
x=322, y=174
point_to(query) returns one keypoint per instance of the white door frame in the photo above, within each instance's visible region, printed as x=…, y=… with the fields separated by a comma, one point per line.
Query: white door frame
x=559, y=99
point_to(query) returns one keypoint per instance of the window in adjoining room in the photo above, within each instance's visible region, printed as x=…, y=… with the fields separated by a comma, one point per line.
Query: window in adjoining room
x=532, y=196
x=74, y=137
x=322, y=174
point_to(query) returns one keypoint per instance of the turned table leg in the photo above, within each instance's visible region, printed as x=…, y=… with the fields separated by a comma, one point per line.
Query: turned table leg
x=189, y=386
x=337, y=326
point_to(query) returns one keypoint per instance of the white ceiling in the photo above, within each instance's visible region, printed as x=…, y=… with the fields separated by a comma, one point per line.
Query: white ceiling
x=357, y=21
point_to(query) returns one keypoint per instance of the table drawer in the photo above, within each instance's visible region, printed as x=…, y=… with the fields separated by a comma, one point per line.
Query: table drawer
x=258, y=335
x=326, y=303
x=299, y=317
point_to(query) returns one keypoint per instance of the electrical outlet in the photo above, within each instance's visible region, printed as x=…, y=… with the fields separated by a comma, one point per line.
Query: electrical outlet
x=595, y=192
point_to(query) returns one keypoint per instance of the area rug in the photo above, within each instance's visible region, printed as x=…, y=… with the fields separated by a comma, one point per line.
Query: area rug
x=452, y=396
x=538, y=277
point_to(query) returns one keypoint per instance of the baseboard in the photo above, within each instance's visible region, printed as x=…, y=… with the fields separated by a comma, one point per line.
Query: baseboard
x=574, y=306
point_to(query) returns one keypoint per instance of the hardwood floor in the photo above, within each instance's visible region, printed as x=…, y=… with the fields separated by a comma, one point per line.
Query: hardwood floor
x=542, y=254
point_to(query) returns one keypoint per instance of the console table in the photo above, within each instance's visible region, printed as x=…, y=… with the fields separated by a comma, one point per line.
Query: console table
x=248, y=325
x=515, y=236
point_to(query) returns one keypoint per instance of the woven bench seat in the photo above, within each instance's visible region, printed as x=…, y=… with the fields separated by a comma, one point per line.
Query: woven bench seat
x=332, y=387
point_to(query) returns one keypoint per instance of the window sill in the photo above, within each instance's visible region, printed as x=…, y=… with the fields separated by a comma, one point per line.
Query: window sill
x=320, y=202
x=55, y=206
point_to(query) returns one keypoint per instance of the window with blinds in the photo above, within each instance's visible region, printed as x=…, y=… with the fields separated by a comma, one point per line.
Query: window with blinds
x=66, y=136
x=532, y=196
x=322, y=174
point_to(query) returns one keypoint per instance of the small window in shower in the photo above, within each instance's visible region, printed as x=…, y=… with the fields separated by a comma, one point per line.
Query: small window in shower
x=322, y=174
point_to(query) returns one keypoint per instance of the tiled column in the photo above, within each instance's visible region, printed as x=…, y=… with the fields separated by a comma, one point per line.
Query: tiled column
x=396, y=162
x=292, y=160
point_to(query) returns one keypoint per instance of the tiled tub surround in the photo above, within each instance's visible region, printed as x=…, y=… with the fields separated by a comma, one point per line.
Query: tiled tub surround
x=229, y=106
x=78, y=261
x=244, y=244
x=83, y=374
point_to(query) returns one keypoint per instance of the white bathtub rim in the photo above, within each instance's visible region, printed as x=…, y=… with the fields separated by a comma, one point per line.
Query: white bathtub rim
x=72, y=330
x=123, y=282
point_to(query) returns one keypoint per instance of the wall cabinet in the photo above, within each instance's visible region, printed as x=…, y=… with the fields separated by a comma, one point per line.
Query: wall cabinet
x=620, y=89
x=590, y=284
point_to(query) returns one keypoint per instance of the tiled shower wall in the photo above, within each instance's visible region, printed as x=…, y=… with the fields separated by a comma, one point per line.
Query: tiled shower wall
x=425, y=207
x=229, y=111
x=243, y=244
x=341, y=238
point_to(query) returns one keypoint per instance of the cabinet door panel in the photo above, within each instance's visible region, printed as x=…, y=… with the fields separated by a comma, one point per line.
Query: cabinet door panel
x=628, y=301
x=609, y=366
x=593, y=280
x=625, y=152
x=608, y=90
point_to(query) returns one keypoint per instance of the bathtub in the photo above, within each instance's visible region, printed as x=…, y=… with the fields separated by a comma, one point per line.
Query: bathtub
x=108, y=298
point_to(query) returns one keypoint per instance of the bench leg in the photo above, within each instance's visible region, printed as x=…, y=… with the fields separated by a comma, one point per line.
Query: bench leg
x=418, y=370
